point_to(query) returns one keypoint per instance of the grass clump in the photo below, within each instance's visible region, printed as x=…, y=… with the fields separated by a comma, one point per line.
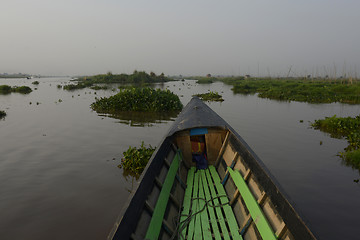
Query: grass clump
x=210, y=96
x=139, y=99
x=348, y=128
x=2, y=114
x=5, y=89
x=135, y=159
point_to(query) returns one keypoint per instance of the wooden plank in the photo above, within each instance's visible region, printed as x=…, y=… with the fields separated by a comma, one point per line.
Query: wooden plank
x=213, y=144
x=159, y=211
x=206, y=230
x=216, y=202
x=234, y=229
x=187, y=202
x=281, y=231
x=183, y=143
x=255, y=211
x=222, y=149
x=194, y=208
x=235, y=196
x=212, y=216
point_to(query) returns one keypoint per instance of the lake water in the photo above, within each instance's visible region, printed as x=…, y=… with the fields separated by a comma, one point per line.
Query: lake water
x=58, y=159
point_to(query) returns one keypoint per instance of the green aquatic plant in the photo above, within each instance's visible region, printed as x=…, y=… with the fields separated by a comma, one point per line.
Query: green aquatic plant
x=301, y=90
x=135, y=159
x=22, y=89
x=135, y=78
x=294, y=89
x=5, y=89
x=79, y=85
x=351, y=158
x=2, y=114
x=344, y=127
x=96, y=87
x=139, y=99
x=210, y=96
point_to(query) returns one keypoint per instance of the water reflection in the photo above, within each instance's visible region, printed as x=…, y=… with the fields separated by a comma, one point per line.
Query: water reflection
x=142, y=119
x=130, y=177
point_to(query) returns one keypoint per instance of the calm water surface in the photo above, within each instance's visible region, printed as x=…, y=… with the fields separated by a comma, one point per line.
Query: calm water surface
x=58, y=159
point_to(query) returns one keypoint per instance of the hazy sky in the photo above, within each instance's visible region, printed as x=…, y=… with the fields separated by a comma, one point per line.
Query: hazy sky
x=71, y=37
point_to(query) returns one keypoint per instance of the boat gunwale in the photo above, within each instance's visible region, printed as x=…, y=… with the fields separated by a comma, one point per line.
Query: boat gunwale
x=133, y=206
x=290, y=214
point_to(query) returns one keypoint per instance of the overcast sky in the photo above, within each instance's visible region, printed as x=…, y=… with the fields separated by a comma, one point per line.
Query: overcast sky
x=76, y=37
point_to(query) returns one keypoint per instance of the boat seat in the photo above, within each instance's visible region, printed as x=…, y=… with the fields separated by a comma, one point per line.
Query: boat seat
x=252, y=205
x=206, y=211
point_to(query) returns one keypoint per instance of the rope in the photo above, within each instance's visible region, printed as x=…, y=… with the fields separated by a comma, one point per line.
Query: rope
x=182, y=225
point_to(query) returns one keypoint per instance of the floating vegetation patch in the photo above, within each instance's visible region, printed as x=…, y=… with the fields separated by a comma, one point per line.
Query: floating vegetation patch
x=206, y=80
x=79, y=85
x=35, y=82
x=139, y=99
x=96, y=87
x=351, y=158
x=136, y=77
x=302, y=90
x=135, y=159
x=5, y=89
x=348, y=128
x=227, y=80
x=321, y=90
x=2, y=114
x=210, y=96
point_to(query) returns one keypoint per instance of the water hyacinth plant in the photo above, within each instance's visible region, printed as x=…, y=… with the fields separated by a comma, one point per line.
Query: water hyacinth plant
x=5, y=89
x=210, y=96
x=347, y=127
x=135, y=159
x=139, y=99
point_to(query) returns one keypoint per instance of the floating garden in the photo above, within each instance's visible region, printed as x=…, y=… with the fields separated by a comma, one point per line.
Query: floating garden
x=136, y=78
x=135, y=159
x=210, y=96
x=139, y=99
x=348, y=128
x=302, y=91
x=295, y=89
x=5, y=89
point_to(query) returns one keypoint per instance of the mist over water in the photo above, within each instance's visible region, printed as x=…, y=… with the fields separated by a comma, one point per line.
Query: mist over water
x=58, y=159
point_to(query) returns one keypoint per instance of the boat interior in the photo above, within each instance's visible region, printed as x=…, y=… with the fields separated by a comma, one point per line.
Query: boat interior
x=208, y=186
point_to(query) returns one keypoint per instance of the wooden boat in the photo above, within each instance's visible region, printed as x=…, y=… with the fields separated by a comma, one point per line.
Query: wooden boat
x=204, y=182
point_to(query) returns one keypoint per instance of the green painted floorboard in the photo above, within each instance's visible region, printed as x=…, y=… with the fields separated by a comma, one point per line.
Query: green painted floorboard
x=255, y=211
x=160, y=207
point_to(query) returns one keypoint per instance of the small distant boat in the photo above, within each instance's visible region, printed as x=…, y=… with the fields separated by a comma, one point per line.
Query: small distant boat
x=204, y=182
